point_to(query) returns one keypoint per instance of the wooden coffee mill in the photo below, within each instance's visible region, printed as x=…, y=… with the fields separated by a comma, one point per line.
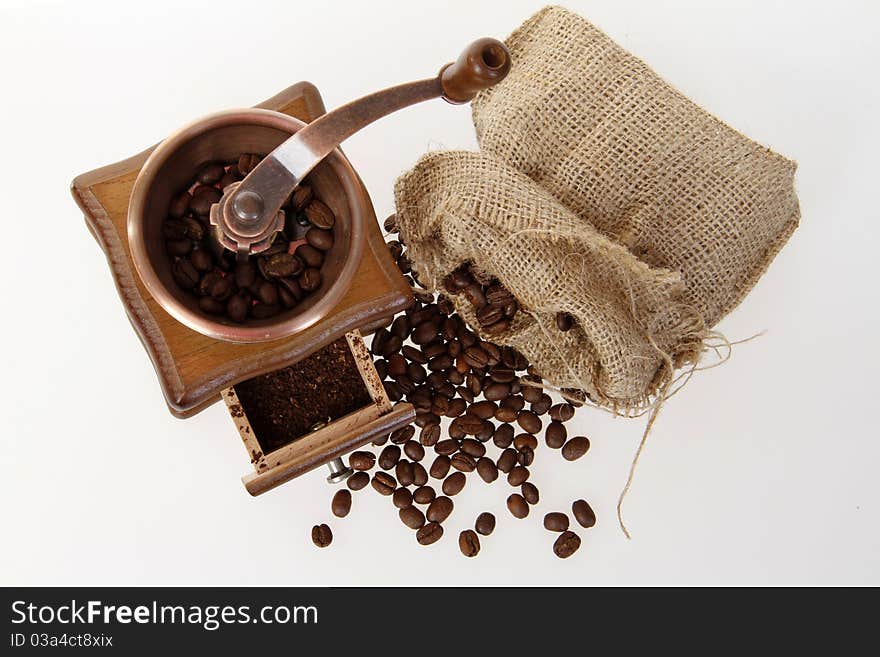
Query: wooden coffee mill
x=200, y=358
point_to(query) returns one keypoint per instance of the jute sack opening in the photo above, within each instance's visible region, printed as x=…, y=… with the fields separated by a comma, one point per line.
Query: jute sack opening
x=600, y=191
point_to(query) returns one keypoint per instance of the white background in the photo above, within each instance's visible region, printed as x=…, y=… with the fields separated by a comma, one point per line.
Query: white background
x=763, y=471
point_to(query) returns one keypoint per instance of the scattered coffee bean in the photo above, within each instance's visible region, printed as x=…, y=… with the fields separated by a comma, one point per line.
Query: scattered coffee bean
x=555, y=435
x=424, y=495
x=440, y=467
x=389, y=457
x=530, y=493
x=383, y=483
x=485, y=523
x=420, y=475
x=517, y=506
x=454, y=483
x=575, y=448
x=517, y=475
x=507, y=460
x=321, y=535
x=412, y=517
x=414, y=450
x=358, y=480
x=524, y=440
x=487, y=470
x=400, y=436
x=430, y=533
x=566, y=545
x=583, y=513
x=556, y=522
x=362, y=460
x=529, y=421
x=469, y=543
x=404, y=472
x=439, y=509
x=564, y=321
x=401, y=498
x=341, y=504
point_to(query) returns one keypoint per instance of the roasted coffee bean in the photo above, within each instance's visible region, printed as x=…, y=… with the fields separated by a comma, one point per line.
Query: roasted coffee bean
x=485, y=523
x=395, y=248
x=524, y=440
x=320, y=215
x=439, y=509
x=301, y=197
x=433, y=350
x=420, y=475
x=543, y=405
x=411, y=353
x=179, y=247
x=211, y=305
x=441, y=362
x=266, y=292
x=456, y=408
x=555, y=435
x=463, y=462
x=237, y=308
x=319, y=238
x=429, y=436
x=389, y=457
x=529, y=421
x=583, y=513
x=453, y=484
x=465, y=394
x=503, y=436
x=446, y=447
x=210, y=173
x=489, y=315
x=362, y=460
x=381, y=440
x=485, y=432
x=440, y=467
x=322, y=536
x=311, y=256
x=575, y=448
x=476, y=357
x=383, y=483
x=397, y=366
x=504, y=414
x=556, y=522
x=358, y=480
x=393, y=391
x=286, y=298
x=497, y=328
x=487, y=470
x=517, y=506
x=474, y=294
x=525, y=456
x=400, y=327
x=561, y=412
x=401, y=498
x=404, y=472
x=514, y=402
x=518, y=475
x=424, y=332
x=246, y=162
x=425, y=419
x=483, y=409
x=207, y=282
x=245, y=273
x=531, y=493
x=281, y=265
x=496, y=391
x=502, y=375
x=264, y=311
x=470, y=424
x=202, y=260
x=531, y=393
x=180, y=205
x=400, y=436
x=390, y=224
x=498, y=295
x=472, y=448
x=185, y=275
x=229, y=177
x=414, y=450
x=424, y=495
x=310, y=279
x=469, y=543
x=411, y=516
x=474, y=383
x=403, y=264
x=203, y=198
x=564, y=321
x=341, y=503
x=430, y=533
x=566, y=545
x=493, y=351
x=507, y=460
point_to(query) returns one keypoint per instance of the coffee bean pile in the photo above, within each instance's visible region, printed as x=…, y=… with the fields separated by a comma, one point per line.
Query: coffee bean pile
x=263, y=285
x=428, y=356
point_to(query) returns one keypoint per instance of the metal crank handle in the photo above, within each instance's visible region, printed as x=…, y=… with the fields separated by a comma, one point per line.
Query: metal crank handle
x=253, y=206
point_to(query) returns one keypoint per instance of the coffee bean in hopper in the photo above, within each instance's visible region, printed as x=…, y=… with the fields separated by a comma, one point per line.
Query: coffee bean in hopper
x=469, y=543
x=341, y=503
x=322, y=536
x=583, y=513
x=566, y=545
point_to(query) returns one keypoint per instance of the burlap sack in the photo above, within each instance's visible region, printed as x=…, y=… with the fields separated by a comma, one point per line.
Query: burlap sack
x=603, y=192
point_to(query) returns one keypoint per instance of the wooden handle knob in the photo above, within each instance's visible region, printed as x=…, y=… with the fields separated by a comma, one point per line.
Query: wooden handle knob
x=482, y=64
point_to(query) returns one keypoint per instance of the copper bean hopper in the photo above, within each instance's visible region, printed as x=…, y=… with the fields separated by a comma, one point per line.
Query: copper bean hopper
x=201, y=358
